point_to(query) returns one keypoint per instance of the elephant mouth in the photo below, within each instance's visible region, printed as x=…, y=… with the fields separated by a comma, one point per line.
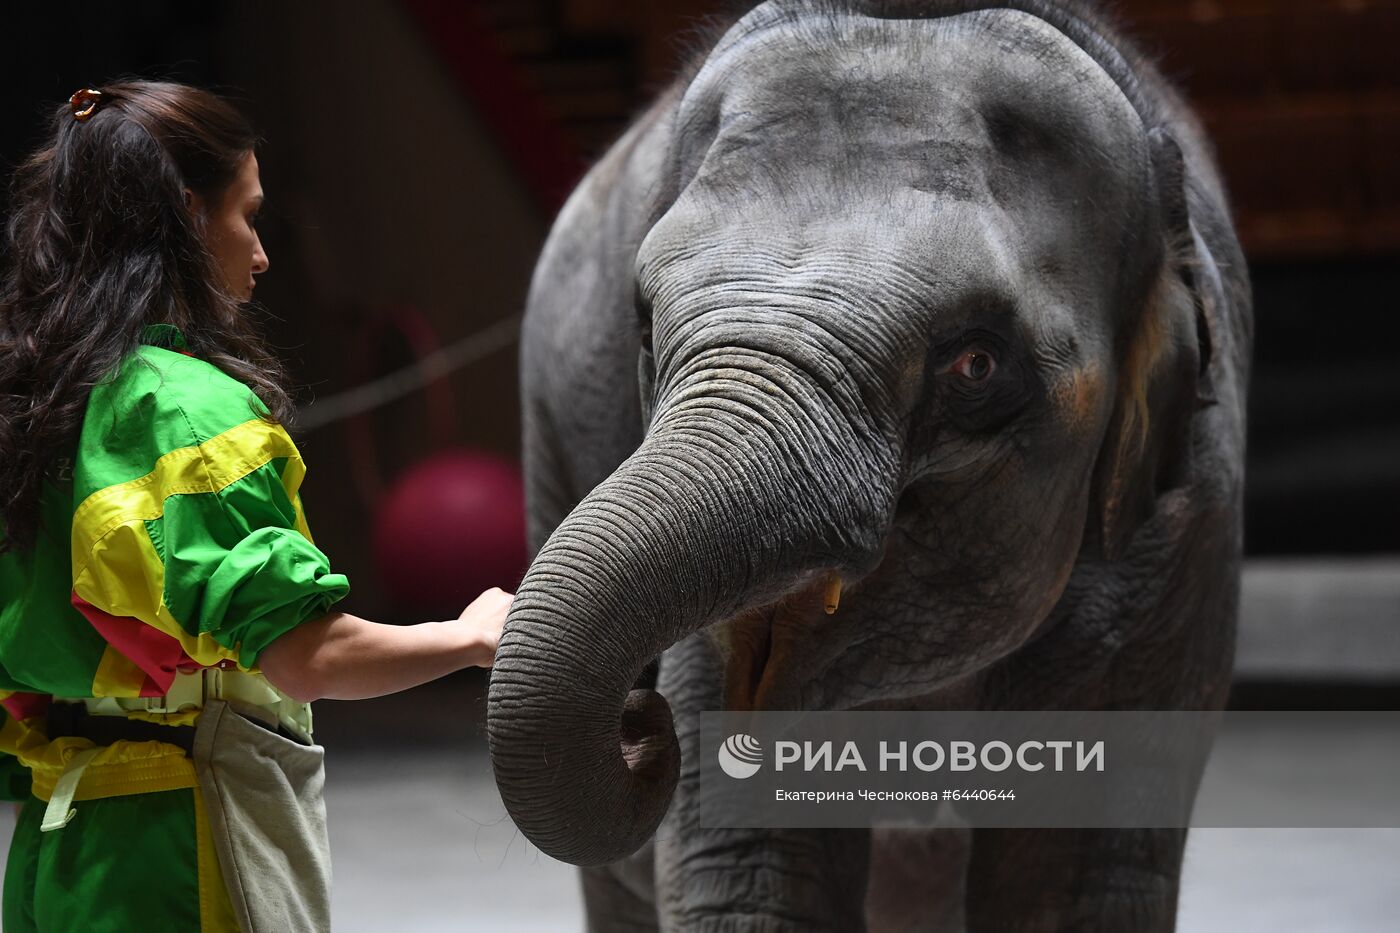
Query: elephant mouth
x=763, y=648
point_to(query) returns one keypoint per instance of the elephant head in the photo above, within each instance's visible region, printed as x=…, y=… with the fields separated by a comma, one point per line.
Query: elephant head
x=918, y=336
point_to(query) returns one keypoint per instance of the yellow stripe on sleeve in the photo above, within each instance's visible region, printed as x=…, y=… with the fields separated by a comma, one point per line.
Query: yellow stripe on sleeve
x=110, y=524
x=200, y=468
x=292, y=475
x=126, y=578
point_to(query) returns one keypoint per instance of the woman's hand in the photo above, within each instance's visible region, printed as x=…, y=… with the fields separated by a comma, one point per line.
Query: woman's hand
x=483, y=620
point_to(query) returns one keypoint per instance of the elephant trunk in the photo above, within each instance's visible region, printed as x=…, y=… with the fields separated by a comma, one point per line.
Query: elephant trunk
x=724, y=507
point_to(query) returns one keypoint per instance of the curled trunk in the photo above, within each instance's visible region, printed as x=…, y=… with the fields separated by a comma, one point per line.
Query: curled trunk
x=722, y=508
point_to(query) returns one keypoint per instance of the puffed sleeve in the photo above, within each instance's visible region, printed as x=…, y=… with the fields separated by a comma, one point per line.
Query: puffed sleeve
x=239, y=565
x=205, y=556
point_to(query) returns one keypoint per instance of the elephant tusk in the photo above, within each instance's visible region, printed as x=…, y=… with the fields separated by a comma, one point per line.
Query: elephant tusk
x=833, y=593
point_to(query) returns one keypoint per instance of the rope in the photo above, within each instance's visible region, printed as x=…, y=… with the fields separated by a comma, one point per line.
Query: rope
x=411, y=378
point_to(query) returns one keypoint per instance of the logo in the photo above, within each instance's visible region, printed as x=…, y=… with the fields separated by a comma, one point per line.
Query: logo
x=741, y=756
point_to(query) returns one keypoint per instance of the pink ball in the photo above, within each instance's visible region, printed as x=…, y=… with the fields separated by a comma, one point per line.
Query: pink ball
x=449, y=528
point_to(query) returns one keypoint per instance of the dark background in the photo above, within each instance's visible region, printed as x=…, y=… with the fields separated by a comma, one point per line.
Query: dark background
x=416, y=150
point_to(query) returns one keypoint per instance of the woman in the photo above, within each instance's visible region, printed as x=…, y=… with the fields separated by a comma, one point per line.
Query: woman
x=164, y=615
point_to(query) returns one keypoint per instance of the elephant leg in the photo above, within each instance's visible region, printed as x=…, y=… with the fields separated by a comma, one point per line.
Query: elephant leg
x=744, y=880
x=1057, y=880
x=917, y=878
x=763, y=881
x=619, y=898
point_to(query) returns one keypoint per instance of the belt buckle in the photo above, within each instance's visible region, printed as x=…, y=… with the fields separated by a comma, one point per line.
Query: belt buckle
x=186, y=690
x=213, y=684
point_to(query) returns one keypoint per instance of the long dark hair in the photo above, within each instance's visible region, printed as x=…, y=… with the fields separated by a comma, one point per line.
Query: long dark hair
x=99, y=243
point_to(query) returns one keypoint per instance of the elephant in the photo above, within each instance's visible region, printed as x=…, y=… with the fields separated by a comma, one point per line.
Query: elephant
x=937, y=306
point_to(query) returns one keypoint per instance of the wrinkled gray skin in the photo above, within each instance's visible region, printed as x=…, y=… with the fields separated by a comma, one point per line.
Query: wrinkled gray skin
x=793, y=253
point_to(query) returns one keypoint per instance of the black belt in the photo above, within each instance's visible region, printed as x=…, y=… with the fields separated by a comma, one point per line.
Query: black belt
x=73, y=719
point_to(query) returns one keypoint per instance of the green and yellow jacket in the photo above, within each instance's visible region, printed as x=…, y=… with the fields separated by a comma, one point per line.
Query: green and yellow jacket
x=174, y=539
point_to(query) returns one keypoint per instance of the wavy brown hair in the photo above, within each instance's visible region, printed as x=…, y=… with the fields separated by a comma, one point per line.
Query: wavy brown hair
x=98, y=244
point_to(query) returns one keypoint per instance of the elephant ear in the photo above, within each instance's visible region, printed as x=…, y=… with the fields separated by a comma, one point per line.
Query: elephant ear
x=1164, y=372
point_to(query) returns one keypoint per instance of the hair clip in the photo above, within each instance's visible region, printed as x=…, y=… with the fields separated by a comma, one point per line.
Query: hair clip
x=84, y=103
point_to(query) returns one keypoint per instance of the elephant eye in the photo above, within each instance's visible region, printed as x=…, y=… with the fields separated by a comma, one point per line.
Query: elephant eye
x=982, y=381
x=974, y=365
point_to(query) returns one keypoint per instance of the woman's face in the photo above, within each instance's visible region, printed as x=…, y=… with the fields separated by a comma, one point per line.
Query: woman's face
x=231, y=231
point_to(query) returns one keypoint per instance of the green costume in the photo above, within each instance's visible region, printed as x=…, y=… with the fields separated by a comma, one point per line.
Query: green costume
x=173, y=542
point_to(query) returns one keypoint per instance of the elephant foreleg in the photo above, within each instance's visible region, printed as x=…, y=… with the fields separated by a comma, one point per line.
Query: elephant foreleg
x=1058, y=880
x=763, y=881
x=917, y=879
x=619, y=898
x=744, y=880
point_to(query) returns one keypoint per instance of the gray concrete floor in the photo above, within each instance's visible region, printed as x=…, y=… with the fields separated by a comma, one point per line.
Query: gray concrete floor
x=421, y=841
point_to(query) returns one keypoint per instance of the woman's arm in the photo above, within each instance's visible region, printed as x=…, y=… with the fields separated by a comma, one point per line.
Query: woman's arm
x=344, y=657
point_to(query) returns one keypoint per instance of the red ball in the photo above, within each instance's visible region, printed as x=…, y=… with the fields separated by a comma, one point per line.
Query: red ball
x=449, y=528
